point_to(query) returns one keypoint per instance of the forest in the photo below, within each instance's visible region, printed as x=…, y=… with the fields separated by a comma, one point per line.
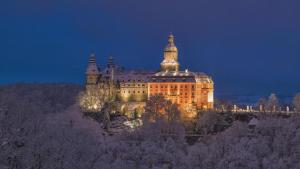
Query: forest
x=42, y=127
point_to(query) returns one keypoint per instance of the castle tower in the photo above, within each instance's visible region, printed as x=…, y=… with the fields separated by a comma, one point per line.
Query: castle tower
x=170, y=62
x=92, y=71
x=111, y=62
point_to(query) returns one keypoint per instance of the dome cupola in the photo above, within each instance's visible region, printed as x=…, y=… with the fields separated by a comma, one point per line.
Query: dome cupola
x=170, y=62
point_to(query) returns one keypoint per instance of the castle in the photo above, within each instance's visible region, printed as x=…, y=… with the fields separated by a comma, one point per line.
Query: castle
x=190, y=90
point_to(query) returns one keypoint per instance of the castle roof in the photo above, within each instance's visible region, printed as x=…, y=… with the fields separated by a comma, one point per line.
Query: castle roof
x=180, y=76
x=134, y=76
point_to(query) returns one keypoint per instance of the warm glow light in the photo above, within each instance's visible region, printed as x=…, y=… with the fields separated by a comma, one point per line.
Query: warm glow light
x=210, y=97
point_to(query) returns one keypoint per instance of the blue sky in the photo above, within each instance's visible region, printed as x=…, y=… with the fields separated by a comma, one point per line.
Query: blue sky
x=249, y=46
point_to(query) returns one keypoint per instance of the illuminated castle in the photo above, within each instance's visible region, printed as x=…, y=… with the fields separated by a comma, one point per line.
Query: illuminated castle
x=190, y=90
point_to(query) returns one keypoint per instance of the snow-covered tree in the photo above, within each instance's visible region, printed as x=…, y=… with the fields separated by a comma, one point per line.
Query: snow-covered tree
x=93, y=98
x=155, y=107
x=206, y=121
x=42, y=127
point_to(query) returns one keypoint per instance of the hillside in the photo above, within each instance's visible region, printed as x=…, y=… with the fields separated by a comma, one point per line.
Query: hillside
x=42, y=128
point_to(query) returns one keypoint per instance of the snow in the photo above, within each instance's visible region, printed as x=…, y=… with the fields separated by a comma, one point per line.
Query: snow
x=45, y=129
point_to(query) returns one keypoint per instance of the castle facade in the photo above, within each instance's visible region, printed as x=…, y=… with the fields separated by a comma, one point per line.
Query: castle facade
x=190, y=90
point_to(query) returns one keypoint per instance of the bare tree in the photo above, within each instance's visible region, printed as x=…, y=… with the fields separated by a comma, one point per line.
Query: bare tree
x=155, y=107
x=224, y=105
x=272, y=104
x=296, y=101
x=262, y=104
x=172, y=112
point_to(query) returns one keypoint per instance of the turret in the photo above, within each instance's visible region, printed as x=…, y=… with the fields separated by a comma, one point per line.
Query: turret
x=170, y=62
x=92, y=71
x=111, y=62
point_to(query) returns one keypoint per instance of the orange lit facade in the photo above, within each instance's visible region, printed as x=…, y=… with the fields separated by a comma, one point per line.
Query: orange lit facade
x=187, y=89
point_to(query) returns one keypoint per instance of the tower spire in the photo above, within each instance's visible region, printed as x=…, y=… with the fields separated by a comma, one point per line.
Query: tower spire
x=92, y=58
x=171, y=39
x=92, y=67
x=92, y=71
x=111, y=62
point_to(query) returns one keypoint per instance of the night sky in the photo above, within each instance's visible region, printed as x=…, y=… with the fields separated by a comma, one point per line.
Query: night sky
x=247, y=46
